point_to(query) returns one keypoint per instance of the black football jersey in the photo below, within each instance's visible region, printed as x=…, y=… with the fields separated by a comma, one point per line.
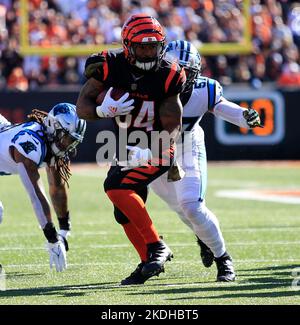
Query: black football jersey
x=147, y=88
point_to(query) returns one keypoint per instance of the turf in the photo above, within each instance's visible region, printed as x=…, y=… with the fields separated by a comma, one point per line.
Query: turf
x=262, y=237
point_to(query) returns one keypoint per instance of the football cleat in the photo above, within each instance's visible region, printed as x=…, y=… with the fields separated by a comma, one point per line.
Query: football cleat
x=158, y=254
x=206, y=254
x=136, y=277
x=225, y=268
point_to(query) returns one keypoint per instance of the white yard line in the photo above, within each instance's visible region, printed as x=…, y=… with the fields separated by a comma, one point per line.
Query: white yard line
x=236, y=261
x=255, y=195
x=233, y=183
x=113, y=246
x=183, y=231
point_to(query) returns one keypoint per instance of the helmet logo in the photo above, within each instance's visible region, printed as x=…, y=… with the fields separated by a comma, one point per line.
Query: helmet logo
x=113, y=109
x=149, y=39
x=61, y=109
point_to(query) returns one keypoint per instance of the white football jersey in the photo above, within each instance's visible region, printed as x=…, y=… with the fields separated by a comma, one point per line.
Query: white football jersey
x=28, y=139
x=191, y=154
x=206, y=94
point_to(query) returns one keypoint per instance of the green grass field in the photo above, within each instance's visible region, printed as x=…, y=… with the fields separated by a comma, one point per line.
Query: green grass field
x=262, y=237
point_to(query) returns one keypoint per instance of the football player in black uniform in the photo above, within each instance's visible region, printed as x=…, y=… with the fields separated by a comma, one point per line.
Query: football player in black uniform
x=154, y=86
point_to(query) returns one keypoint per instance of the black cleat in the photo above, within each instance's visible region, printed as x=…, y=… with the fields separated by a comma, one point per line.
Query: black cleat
x=225, y=268
x=206, y=254
x=136, y=277
x=158, y=254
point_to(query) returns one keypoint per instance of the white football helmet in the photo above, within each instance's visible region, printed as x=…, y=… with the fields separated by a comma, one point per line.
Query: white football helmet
x=187, y=56
x=65, y=130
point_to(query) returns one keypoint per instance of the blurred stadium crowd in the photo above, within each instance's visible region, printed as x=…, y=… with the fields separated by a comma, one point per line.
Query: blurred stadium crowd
x=275, y=37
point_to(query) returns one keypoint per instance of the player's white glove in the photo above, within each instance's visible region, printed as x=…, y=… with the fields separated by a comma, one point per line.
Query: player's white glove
x=112, y=108
x=136, y=157
x=252, y=118
x=58, y=255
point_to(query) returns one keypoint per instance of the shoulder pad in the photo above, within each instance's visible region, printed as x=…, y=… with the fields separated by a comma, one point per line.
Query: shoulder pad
x=175, y=80
x=93, y=65
x=30, y=144
x=219, y=92
x=215, y=92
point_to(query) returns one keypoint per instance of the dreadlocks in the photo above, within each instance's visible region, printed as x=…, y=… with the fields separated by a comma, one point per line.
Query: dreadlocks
x=37, y=116
x=61, y=164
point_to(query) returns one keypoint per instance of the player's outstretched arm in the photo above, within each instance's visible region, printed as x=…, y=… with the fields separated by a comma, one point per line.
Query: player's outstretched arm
x=86, y=102
x=59, y=198
x=235, y=114
x=30, y=177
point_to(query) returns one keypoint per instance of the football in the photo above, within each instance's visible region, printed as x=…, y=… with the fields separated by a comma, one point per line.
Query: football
x=116, y=94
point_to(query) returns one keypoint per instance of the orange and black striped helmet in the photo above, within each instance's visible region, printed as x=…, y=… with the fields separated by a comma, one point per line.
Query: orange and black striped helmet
x=141, y=30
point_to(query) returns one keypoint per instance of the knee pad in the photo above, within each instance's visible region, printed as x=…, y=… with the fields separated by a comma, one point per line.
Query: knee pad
x=120, y=217
x=195, y=212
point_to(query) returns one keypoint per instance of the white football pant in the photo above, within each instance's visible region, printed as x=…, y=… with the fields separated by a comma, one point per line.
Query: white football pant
x=186, y=196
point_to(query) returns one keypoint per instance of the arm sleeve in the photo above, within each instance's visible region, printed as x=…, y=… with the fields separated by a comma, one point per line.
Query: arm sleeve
x=36, y=203
x=230, y=112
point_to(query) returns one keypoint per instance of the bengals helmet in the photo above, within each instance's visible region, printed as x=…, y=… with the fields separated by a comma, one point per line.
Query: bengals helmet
x=142, y=32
